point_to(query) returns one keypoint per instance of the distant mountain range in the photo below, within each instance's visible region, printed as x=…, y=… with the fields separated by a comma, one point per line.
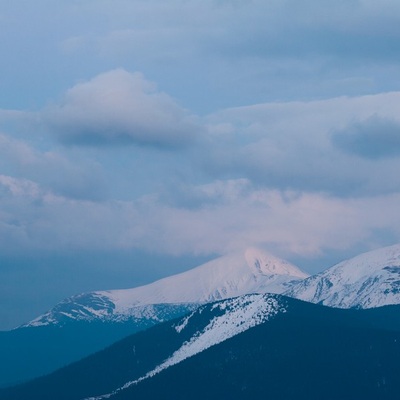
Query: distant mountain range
x=86, y=323
x=253, y=346
x=369, y=280
x=251, y=271
x=83, y=324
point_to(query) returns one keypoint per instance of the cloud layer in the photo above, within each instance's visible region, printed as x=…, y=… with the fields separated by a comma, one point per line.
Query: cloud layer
x=343, y=146
x=300, y=177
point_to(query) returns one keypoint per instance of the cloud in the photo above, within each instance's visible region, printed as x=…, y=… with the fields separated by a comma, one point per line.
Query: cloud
x=191, y=196
x=373, y=138
x=35, y=218
x=268, y=173
x=64, y=174
x=288, y=223
x=19, y=187
x=352, y=31
x=120, y=108
x=300, y=145
x=210, y=54
x=275, y=29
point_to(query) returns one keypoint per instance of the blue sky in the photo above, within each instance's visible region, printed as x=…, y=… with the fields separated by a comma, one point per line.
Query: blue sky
x=140, y=138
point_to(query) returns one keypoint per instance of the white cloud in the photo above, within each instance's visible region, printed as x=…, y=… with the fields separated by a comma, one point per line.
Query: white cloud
x=64, y=174
x=289, y=223
x=230, y=215
x=20, y=187
x=40, y=219
x=118, y=108
x=267, y=173
x=293, y=146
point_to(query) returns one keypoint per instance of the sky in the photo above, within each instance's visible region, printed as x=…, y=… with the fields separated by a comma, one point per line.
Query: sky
x=141, y=138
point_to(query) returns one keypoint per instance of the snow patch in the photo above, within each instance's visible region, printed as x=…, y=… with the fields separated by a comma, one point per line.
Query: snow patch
x=180, y=327
x=240, y=314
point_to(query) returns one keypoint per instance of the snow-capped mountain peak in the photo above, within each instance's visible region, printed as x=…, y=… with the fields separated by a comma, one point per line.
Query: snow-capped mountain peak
x=236, y=274
x=368, y=280
x=263, y=263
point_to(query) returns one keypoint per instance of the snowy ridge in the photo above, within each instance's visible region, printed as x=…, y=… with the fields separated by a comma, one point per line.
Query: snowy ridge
x=234, y=316
x=251, y=271
x=80, y=307
x=369, y=280
x=95, y=307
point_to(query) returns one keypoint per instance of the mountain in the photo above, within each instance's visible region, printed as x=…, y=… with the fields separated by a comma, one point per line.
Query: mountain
x=85, y=323
x=28, y=352
x=369, y=280
x=254, y=346
x=98, y=307
x=251, y=271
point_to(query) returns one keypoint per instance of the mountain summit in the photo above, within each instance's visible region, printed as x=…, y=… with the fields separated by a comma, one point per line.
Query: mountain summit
x=368, y=280
x=251, y=271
